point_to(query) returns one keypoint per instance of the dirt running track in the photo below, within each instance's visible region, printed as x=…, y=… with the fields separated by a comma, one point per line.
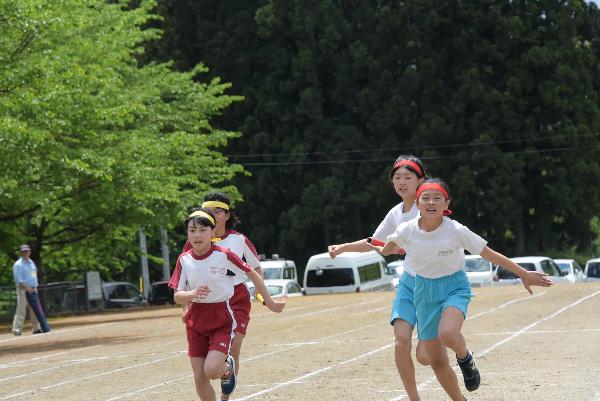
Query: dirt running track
x=337, y=347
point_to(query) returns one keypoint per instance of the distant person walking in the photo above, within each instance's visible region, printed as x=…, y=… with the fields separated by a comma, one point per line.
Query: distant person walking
x=25, y=275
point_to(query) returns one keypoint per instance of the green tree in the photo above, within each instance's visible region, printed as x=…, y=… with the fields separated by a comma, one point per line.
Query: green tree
x=94, y=144
x=500, y=98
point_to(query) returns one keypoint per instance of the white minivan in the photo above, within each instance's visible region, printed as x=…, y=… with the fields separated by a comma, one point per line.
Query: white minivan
x=348, y=272
x=279, y=269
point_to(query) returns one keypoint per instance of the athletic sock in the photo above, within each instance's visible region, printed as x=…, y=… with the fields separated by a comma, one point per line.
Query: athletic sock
x=466, y=358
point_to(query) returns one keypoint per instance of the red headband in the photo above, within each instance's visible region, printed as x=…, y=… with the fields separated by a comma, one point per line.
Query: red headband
x=437, y=187
x=405, y=162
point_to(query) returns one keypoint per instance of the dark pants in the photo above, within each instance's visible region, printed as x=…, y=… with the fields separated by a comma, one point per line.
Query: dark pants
x=34, y=301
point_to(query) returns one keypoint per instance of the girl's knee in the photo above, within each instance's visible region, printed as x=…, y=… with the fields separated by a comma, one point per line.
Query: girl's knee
x=213, y=372
x=200, y=378
x=402, y=345
x=448, y=336
x=422, y=356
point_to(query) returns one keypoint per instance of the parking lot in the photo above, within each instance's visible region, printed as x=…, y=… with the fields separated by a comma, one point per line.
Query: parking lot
x=330, y=347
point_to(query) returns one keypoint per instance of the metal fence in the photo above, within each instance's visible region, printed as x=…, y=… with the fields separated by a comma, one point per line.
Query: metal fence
x=57, y=299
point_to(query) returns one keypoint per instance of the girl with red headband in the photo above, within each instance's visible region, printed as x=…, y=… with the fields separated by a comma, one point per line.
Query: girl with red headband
x=406, y=174
x=225, y=236
x=204, y=280
x=435, y=247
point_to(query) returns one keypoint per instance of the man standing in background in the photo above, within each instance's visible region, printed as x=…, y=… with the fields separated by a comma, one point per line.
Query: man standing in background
x=25, y=274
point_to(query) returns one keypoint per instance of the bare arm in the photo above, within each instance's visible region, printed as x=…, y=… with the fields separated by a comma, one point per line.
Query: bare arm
x=529, y=278
x=389, y=248
x=185, y=297
x=356, y=246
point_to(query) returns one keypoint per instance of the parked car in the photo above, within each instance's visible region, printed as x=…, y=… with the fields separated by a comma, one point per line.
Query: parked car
x=542, y=264
x=348, y=272
x=479, y=271
x=396, y=268
x=161, y=294
x=279, y=269
x=121, y=294
x=280, y=288
x=592, y=270
x=570, y=269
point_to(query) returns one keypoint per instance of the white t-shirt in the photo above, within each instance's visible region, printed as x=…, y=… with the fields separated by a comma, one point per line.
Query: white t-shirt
x=439, y=252
x=243, y=248
x=391, y=222
x=215, y=269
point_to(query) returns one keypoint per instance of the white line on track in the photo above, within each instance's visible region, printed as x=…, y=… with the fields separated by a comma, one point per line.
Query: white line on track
x=505, y=333
x=518, y=333
x=293, y=381
x=286, y=310
x=504, y=305
x=318, y=312
x=259, y=356
x=79, y=361
x=29, y=361
x=524, y=329
x=54, y=332
x=174, y=356
x=299, y=379
x=177, y=354
x=143, y=390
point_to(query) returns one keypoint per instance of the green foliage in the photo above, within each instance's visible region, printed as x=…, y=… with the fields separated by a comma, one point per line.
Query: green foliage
x=595, y=228
x=499, y=98
x=94, y=144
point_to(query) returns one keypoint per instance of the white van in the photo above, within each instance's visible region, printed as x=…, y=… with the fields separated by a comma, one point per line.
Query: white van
x=279, y=269
x=348, y=272
x=592, y=270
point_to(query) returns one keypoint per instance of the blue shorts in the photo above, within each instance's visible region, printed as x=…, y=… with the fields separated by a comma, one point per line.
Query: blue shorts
x=403, y=306
x=433, y=296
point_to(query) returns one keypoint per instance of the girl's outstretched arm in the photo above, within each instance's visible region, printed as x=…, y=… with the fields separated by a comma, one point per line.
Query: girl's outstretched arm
x=356, y=246
x=529, y=278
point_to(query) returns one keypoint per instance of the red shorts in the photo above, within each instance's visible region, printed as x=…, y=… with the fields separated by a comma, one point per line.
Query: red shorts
x=240, y=303
x=209, y=327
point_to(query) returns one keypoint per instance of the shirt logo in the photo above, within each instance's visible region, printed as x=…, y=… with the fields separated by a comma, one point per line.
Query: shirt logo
x=446, y=252
x=218, y=270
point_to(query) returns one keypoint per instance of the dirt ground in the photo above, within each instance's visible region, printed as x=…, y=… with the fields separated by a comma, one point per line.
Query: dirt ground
x=543, y=347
